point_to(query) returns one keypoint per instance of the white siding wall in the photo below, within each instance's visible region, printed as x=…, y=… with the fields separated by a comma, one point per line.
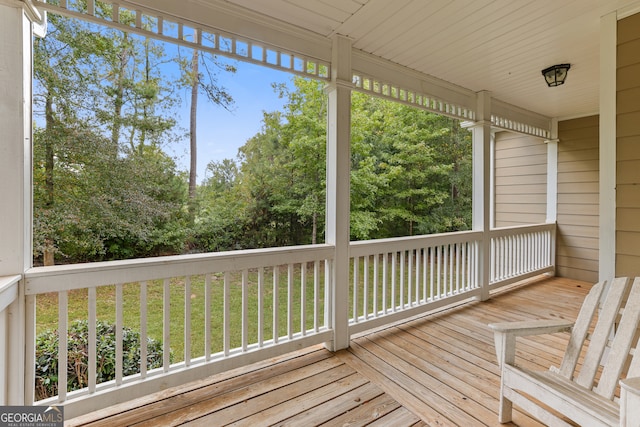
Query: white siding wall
x=628, y=148
x=520, y=187
x=578, y=186
x=520, y=180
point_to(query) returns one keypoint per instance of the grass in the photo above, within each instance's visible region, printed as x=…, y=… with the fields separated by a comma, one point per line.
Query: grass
x=47, y=308
x=47, y=305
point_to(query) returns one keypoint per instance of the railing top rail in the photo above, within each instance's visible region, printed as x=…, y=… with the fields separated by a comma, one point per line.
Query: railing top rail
x=8, y=290
x=520, y=229
x=370, y=247
x=7, y=281
x=77, y=276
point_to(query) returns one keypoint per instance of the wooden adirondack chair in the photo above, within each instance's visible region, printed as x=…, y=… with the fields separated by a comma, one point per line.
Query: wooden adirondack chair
x=584, y=393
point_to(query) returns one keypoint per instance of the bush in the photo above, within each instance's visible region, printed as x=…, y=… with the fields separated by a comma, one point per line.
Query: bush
x=78, y=350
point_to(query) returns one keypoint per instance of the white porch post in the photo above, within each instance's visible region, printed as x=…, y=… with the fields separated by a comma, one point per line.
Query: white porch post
x=492, y=179
x=482, y=187
x=338, y=187
x=552, y=173
x=607, y=233
x=552, y=185
x=15, y=188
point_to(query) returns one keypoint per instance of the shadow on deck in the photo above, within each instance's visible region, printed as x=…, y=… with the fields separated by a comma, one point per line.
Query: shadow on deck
x=438, y=369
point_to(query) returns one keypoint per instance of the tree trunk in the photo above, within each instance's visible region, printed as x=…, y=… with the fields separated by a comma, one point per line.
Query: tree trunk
x=192, y=131
x=314, y=230
x=145, y=112
x=49, y=248
x=119, y=95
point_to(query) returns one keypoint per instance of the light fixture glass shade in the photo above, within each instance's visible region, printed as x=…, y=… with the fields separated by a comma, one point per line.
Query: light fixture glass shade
x=556, y=74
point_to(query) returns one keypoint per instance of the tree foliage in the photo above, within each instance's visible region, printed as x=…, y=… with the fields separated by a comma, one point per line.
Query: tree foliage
x=410, y=174
x=104, y=187
x=410, y=171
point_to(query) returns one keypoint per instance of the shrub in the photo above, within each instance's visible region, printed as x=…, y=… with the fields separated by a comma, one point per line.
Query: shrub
x=78, y=350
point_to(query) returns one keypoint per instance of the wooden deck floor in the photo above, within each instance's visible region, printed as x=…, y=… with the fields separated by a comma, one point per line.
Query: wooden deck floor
x=437, y=370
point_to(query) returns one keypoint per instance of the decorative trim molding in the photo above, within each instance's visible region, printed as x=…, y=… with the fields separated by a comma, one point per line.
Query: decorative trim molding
x=509, y=117
x=228, y=30
x=34, y=14
x=628, y=10
x=379, y=77
x=154, y=24
x=374, y=86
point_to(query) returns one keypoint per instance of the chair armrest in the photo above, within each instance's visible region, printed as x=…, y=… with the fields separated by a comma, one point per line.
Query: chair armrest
x=629, y=402
x=532, y=327
x=505, y=335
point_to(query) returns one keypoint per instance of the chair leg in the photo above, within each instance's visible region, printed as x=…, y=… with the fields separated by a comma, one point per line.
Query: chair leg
x=505, y=414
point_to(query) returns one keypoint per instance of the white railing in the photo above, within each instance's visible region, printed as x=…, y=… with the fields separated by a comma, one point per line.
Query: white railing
x=220, y=311
x=224, y=310
x=393, y=279
x=8, y=295
x=521, y=252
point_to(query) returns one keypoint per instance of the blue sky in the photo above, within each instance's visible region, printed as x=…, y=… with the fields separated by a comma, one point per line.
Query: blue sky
x=222, y=132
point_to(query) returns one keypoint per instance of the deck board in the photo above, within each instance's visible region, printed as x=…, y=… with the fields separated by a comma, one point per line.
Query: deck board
x=439, y=369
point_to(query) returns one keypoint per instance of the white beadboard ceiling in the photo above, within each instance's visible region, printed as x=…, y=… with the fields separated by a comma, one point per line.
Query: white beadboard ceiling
x=495, y=45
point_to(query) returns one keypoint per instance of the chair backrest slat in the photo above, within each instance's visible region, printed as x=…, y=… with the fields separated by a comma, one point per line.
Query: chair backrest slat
x=634, y=367
x=580, y=330
x=615, y=295
x=625, y=333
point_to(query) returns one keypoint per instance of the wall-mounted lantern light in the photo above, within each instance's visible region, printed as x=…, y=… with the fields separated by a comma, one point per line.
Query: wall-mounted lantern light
x=556, y=74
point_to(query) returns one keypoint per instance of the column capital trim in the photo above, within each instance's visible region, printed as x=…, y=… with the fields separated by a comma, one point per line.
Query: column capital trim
x=339, y=84
x=476, y=124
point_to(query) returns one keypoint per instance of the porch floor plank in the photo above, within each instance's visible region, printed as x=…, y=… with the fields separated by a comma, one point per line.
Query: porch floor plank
x=438, y=369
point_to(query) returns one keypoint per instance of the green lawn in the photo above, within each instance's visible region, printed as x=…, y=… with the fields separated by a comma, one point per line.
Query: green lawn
x=47, y=308
x=47, y=305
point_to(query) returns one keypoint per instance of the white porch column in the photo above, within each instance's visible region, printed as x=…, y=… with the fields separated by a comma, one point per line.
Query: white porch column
x=482, y=187
x=492, y=179
x=552, y=173
x=15, y=140
x=15, y=188
x=338, y=187
x=607, y=225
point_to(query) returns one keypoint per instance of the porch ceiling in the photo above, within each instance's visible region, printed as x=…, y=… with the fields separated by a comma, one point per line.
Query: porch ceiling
x=495, y=45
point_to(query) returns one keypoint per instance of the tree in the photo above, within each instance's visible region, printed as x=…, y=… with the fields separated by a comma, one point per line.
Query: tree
x=199, y=75
x=409, y=174
x=63, y=92
x=370, y=176
x=137, y=102
x=220, y=223
x=454, y=147
x=193, y=114
x=410, y=171
x=262, y=182
x=104, y=189
x=417, y=186
x=283, y=170
x=97, y=193
x=304, y=142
